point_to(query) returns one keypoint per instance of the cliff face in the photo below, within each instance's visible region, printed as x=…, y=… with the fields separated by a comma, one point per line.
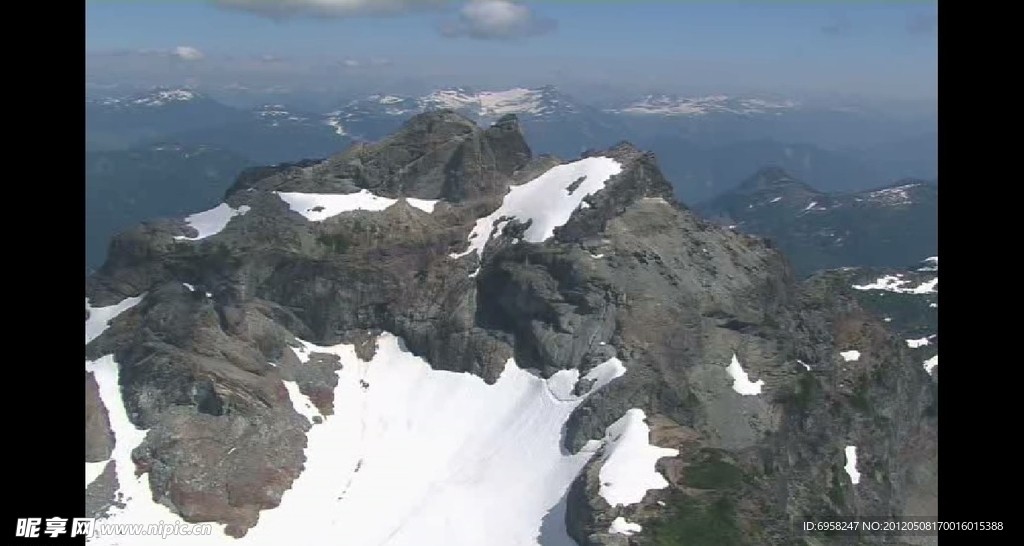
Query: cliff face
x=454, y=240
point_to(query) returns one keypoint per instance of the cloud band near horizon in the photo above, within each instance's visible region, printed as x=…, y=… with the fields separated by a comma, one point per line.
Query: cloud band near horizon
x=475, y=19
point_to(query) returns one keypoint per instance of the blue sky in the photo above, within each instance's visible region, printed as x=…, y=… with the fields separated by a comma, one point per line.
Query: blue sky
x=881, y=48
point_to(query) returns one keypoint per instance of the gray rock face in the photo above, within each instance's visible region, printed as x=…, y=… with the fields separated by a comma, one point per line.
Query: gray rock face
x=633, y=274
x=439, y=155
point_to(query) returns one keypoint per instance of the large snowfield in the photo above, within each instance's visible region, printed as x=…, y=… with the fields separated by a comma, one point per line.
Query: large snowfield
x=419, y=457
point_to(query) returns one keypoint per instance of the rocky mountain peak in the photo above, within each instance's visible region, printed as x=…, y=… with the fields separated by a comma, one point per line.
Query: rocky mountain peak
x=440, y=154
x=338, y=294
x=443, y=124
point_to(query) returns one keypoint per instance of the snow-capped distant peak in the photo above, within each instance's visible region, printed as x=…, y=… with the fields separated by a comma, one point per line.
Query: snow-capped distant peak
x=162, y=97
x=484, y=106
x=929, y=264
x=487, y=104
x=670, y=105
x=896, y=195
x=154, y=98
x=271, y=110
x=275, y=114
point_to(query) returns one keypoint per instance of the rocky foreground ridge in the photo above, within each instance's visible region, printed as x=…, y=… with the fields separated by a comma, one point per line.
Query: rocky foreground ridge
x=753, y=385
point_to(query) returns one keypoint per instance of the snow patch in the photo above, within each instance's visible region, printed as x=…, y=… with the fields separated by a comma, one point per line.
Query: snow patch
x=604, y=373
x=622, y=527
x=212, y=222
x=317, y=207
x=915, y=343
x=740, y=381
x=562, y=383
x=893, y=196
x=93, y=471
x=850, y=356
x=544, y=200
x=334, y=122
x=628, y=469
x=162, y=97
x=896, y=283
x=851, y=465
x=302, y=404
x=100, y=317
x=930, y=263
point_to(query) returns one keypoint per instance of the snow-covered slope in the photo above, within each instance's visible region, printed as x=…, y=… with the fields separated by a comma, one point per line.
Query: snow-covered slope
x=547, y=201
x=412, y=456
x=628, y=470
x=100, y=317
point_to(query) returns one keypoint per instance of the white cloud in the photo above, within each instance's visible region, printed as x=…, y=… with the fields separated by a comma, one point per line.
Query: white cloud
x=329, y=8
x=497, y=20
x=365, y=63
x=188, y=53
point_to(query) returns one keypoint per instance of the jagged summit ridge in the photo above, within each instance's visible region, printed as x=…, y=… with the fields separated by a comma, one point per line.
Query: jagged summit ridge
x=432, y=156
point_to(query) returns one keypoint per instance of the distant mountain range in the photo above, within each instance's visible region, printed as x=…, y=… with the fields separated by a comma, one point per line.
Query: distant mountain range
x=119, y=123
x=705, y=144
x=882, y=227
x=672, y=105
